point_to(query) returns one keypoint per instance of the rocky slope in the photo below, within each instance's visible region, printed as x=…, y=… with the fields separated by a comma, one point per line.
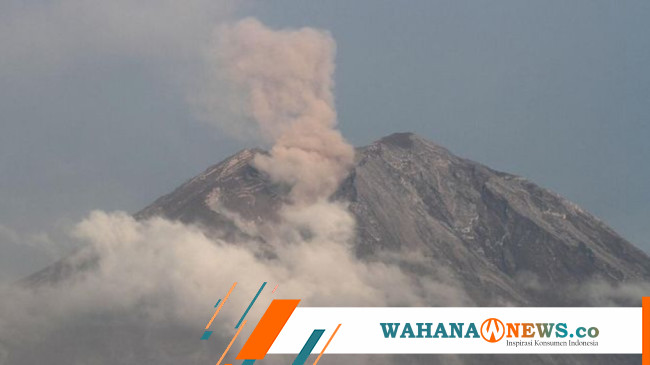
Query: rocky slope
x=499, y=237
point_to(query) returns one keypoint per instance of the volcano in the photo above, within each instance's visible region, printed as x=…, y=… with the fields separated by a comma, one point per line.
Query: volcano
x=498, y=238
x=503, y=239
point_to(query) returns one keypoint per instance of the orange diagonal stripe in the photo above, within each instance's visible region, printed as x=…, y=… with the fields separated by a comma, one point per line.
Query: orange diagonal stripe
x=327, y=344
x=268, y=329
x=220, y=305
x=231, y=342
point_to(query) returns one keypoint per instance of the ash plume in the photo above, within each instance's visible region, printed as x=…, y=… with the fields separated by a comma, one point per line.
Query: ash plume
x=285, y=80
x=139, y=280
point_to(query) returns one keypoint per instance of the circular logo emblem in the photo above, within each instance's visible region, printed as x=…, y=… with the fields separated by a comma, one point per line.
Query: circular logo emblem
x=492, y=330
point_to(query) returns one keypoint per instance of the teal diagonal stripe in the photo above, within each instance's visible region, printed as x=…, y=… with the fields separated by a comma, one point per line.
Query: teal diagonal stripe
x=206, y=335
x=309, y=346
x=250, y=305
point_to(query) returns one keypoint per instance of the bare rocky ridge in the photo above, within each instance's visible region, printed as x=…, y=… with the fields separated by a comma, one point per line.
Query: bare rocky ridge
x=500, y=238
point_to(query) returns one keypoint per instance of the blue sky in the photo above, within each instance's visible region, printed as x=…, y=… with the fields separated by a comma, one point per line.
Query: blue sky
x=95, y=111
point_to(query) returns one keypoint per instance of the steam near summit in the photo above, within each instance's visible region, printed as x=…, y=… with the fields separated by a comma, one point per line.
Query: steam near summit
x=284, y=80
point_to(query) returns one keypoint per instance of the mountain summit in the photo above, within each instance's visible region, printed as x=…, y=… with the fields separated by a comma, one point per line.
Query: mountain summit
x=498, y=237
x=460, y=233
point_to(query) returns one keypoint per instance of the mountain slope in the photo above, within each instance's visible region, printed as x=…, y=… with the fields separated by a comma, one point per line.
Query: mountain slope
x=500, y=238
x=482, y=237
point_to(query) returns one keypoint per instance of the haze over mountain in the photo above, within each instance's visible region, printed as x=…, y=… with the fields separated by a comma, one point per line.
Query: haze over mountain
x=432, y=227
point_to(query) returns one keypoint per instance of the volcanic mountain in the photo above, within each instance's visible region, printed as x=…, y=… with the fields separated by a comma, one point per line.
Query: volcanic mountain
x=502, y=239
x=493, y=238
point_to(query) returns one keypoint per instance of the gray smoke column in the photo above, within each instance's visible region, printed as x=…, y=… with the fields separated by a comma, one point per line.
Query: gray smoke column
x=285, y=79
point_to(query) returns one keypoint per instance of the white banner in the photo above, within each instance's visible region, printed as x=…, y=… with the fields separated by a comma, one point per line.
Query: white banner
x=465, y=330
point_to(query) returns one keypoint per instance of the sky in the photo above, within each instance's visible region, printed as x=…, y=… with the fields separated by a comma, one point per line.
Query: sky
x=97, y=111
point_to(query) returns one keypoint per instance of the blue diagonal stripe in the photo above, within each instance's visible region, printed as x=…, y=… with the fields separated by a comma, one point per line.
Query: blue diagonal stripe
x=218, y=301
x=309, y=346
x=248, y=362
x=250, y=305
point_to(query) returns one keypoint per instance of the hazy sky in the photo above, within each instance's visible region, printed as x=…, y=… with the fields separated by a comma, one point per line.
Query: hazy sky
x=95, y=112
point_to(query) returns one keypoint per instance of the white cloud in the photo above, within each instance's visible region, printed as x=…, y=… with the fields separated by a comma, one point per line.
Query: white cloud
x=169, y=274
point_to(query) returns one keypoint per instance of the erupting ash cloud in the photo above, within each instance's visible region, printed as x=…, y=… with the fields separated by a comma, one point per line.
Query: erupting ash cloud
x=285, y=78
x=142, y=289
